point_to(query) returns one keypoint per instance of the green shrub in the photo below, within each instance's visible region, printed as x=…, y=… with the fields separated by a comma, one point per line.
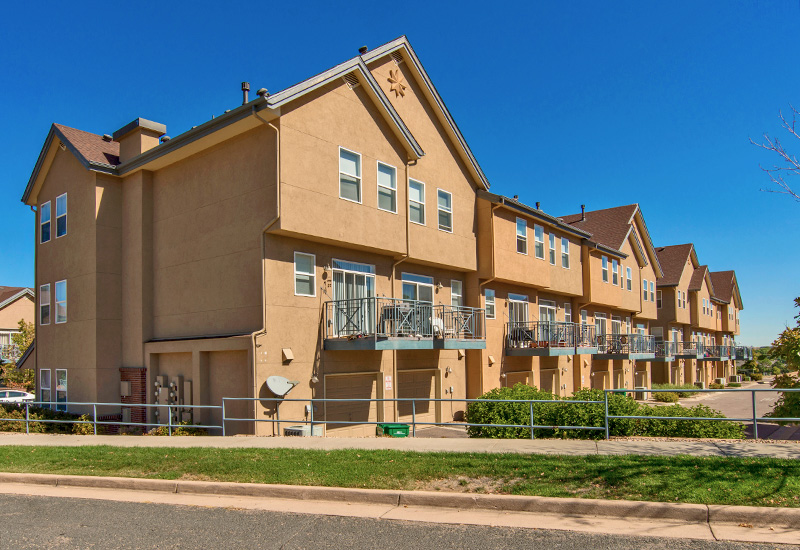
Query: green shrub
x=746, y=378
x=593, y=414
x=681, y=394
x=734, y=385
x=666, y=397
x=757, y=376
x=714, y=386
x=788, y=404
x=182, y=428
x=35, y=414
x=776, y=371
x=511, y=413
x=716, y=429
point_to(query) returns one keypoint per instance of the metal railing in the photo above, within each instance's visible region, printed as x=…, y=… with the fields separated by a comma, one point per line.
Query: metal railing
x=711, y=352
x=398, y=318
x=548, y=334
x=626, y=343
x=689, y=348
x=666, y=349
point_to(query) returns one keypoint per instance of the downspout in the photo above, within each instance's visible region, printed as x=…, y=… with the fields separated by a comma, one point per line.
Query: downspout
x=392, y=278
x=270, y=223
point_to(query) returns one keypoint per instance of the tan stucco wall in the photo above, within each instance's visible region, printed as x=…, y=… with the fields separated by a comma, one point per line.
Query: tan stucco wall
x=21, y=309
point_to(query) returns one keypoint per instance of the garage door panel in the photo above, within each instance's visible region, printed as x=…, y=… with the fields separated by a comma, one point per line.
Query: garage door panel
x=351, y=387
x=421, y=386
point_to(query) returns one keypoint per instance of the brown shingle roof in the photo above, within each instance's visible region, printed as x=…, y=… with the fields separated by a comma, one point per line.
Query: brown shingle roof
x=7, y=292
x=697, y=278
x=672, y=260
x=723, y=285
x=93, y=147
x=608, y=227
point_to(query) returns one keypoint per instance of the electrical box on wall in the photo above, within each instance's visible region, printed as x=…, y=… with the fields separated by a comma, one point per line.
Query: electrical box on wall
x=186, y=412
x=125, y=388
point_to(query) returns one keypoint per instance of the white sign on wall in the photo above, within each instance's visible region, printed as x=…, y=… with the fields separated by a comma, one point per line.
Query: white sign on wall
x=387, y=383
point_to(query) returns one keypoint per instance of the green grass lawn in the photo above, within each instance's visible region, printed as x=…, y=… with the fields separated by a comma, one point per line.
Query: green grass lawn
x=704, y=480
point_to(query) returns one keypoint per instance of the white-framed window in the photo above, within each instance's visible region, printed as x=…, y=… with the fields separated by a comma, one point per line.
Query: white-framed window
x=552, y=238
x=61, y=215
x=658, y=299
x=565, y=252
x=416, y=201
x=44, y=304
x=629, y=278
x=489, y=297
x=584, y=317
x=417, y=287
x=567, y=312
x=658, y=333
x=349, y=175
x=456, y=294
x=45, y=395
x=305, y=276
x=600, y=323
x=605, y=269
x=517, y=308
x=644, y=289
x=684, y=300
x=538, y=237
x=652, y=291
x=522, y=236
x=445, y=208
x=614, y=272
x=387, y=188
x=61, y=302
x=704, y=306
x=61, y=389
x=547, y=311
x=44, y=222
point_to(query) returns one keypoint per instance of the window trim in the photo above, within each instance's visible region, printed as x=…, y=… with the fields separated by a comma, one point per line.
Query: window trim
x=628, y=279
x=565, y=253
x=422, y=204
x=614, y=272
x=56, y=302
x=359, y=178
x=552, y=247
x=567, y=312
x=66, y=395
x=652, y=291
x=49, y=222
x=524, y=237
x=659, y=299
x=460, y=294
x=313, y=274
x=46, y=404
x=64, y=215
x=440, y=209
x=49, y=301
x=644, y=289
x=537, y=242
x=487, y=301
x=379, y=187
x=604, y=268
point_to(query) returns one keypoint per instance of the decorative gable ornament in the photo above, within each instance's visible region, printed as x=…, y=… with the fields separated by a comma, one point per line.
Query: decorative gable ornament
x=396, y=81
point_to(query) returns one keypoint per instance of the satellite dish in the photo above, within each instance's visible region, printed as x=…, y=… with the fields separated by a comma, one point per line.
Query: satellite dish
x=280, y=386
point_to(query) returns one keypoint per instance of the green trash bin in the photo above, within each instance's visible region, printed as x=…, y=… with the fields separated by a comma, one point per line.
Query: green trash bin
x=393, y=430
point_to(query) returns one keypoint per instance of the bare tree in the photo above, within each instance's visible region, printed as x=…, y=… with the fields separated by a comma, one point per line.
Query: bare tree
x=790, y=163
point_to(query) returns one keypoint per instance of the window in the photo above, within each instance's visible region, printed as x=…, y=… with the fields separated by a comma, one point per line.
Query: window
x=44, y=305
x=600, y=324
x=44, y=388
x=644, y=289
x=61, y=302
x=445, y=205
x=567, y=312
x=416, y=201
x=684, y=300
x=658, y=333
x=61, y=215
x=547, y=311
x=605, y=269
x=349, y=175
x=564, y=252
x=304, y=274
x=489, y=295
x=61, y=389
x=538, y=237
x=456, y=296
x=652, y=291
x=522, y=236
x=629, y=283
x=584, y=317
x=417, y=287
x=517, y=308
x=44, y=222
x=614, y=272
x=552, y=248
x=355, y=283
x=387, y=188
x=658, y=299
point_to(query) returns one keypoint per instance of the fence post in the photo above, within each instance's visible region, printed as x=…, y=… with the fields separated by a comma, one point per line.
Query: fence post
x=94, y=418
x=27, y=420
x=223, y=417
x=311, y=416
x=755, y=422
x=413, y=417
x=605, y=397
x=169, y=418
x=531, y=418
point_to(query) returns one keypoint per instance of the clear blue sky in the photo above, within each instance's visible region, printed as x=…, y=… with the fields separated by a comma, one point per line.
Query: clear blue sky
x=602, y=103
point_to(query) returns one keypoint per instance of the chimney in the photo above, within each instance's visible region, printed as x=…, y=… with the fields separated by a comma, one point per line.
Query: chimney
x=583, y=212
x=137, y=137
x=245, y=92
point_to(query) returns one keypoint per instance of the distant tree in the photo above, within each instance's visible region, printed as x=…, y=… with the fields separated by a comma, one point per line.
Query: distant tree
x=789, y=163
x=787, y=348
x=11, y=374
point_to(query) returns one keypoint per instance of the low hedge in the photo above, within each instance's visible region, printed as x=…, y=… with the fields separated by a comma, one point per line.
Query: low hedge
x=683, y=390
x=35, y=414
x=666, y=397
x=562, y=413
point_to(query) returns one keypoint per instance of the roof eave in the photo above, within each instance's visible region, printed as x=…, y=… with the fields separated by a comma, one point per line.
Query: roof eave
x=532, y=212
x=17, y=296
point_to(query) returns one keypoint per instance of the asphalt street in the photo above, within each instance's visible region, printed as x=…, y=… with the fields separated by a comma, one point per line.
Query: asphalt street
x=29, y=522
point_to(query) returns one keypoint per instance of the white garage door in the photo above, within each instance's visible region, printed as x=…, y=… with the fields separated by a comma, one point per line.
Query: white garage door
x=418, y=385
x=357, y=386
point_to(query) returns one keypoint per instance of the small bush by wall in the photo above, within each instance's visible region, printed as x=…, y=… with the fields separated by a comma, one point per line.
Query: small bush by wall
x=666, y=397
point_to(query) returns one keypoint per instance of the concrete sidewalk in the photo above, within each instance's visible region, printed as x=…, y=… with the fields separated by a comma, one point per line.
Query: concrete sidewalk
x=724, y=448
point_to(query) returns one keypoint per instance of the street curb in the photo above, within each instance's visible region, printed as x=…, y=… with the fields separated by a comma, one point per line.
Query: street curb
x=689, y=513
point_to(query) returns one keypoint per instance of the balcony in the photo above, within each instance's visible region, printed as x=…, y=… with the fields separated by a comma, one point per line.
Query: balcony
x=689, y=350
x=548, y=339
x=715, y=353
x=9, y=353
x=666, y=351
x=625, y=346
x=390, y=323
x=741, y=353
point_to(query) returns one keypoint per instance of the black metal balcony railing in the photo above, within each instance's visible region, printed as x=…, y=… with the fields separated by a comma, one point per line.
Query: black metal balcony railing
x=9, y=352
x=625, y=343
x=548, y=334
x=689, y=348
x=397, y=318
x=666, y=349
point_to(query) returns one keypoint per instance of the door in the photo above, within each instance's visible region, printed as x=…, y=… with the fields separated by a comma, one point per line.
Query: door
x=419, y=385
x=547, y=320
x=356, y=386
x=353, y=285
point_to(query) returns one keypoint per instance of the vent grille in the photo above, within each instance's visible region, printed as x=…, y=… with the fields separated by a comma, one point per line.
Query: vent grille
x=351, y=80
x=398, y=58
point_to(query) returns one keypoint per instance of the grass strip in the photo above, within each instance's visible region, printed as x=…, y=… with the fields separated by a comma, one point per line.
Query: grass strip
x=702, y=480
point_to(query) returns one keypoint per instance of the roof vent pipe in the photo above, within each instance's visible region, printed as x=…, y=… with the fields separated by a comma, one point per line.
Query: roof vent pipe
x=262, y=92
x=538, y=205
x=362, y=50
x=245, y=90
x=107, y=137
x=516, y=197
x=583, y=212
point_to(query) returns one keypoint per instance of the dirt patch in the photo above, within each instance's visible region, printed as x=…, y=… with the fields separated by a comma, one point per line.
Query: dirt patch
x=464, y=484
